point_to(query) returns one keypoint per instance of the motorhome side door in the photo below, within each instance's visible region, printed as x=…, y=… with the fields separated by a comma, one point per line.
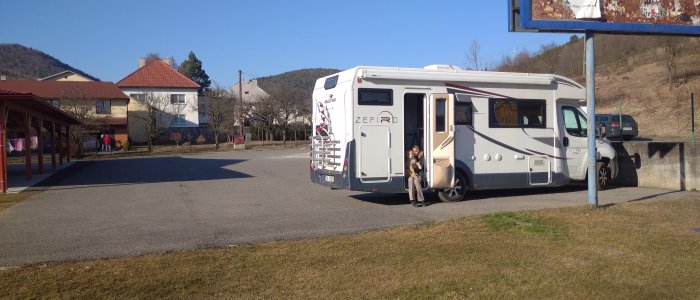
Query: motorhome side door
x=441, y=141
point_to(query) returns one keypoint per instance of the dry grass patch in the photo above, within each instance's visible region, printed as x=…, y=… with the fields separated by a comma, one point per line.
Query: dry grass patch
x=634, y=250
x=9, y=200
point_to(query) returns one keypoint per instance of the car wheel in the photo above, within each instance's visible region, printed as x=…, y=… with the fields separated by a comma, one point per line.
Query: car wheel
x=603, y=175
x=456, y=193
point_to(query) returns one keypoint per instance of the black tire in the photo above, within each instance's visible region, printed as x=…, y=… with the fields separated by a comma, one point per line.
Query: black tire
x=602, y=175
x=456, y=193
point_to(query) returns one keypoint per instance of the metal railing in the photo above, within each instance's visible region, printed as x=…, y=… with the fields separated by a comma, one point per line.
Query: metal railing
x=325, y=152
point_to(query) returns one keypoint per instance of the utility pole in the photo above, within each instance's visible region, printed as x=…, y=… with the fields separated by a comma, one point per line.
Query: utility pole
x=240, y=100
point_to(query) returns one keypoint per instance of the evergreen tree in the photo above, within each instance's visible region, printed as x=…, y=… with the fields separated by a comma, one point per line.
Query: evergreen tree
x=192, y=68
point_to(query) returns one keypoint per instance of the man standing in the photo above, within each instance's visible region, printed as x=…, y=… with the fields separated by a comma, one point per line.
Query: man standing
x=415, y=169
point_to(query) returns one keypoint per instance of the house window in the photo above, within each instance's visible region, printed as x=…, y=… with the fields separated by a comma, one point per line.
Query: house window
x=140, y=97
x=177, y=98
x=103, y=106
x=511, y=113
x=180, y=120
x=54, y=102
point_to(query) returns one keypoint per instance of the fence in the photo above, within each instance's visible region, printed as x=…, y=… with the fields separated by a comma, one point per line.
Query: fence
x=660, y=119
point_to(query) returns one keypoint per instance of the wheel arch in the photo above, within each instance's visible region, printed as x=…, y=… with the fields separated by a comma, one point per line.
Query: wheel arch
x=466, y=171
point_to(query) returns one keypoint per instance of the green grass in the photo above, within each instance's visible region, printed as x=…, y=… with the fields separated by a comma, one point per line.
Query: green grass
x=527, y=223
x=627, y=251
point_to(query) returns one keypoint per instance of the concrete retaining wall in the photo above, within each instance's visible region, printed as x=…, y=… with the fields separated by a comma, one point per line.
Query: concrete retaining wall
x=659, y=165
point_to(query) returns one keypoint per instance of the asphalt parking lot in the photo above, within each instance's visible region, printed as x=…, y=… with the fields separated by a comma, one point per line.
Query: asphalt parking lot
x=123, y=207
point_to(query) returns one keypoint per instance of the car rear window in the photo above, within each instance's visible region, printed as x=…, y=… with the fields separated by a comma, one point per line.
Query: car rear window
x=625, y=118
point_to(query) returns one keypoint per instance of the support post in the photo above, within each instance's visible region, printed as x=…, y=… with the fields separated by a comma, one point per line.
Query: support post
x=590, y=103
x=619, y=118
x=240, y=102
x=28, y=146
x=68, y=143
x=40, y=144
x=61, y=150
x=53, y=146
x=3, y=150
x=692, y=115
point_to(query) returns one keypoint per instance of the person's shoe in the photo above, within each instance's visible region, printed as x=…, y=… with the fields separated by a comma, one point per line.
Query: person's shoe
x=414, y=203
x=422, y=204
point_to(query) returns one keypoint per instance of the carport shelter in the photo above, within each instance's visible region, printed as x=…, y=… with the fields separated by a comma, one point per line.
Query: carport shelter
x=30, y=118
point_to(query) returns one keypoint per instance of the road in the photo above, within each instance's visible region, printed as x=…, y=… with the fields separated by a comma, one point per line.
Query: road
x=114, y=208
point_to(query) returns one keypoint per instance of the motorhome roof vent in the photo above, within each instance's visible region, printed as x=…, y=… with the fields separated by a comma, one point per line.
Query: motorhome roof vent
x=442, y=67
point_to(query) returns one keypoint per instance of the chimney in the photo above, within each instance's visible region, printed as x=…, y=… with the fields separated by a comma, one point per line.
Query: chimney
x=142, y=62
x=254, y=82
x=167, y=61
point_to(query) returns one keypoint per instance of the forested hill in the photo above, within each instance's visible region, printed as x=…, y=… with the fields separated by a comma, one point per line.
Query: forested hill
x=20, y=62
x=300, y=81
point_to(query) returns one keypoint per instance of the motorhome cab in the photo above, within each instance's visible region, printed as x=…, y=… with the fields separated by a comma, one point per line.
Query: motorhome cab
x=478, y=130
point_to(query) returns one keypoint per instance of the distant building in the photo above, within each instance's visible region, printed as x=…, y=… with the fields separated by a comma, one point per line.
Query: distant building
x=66, y=76
x=102, y=104
x=175, y=93
x=252, y=93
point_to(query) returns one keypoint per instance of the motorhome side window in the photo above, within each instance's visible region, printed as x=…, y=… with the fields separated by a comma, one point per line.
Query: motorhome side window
x=575, y=122
x=384, y=97
x=511, y=113
x=463, y=113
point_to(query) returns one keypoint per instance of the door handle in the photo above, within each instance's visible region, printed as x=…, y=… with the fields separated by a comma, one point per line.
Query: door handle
x=566, y=141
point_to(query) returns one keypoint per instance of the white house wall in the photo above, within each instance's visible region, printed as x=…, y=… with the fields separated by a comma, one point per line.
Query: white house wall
x=189, y=109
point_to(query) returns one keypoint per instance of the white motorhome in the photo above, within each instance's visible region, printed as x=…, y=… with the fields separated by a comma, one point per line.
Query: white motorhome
x=479, y=130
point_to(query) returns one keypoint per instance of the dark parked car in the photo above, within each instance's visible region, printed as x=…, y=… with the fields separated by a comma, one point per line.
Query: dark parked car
x=612, y=127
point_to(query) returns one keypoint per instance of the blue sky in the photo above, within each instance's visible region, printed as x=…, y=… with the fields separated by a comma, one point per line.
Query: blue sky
x=263, y=37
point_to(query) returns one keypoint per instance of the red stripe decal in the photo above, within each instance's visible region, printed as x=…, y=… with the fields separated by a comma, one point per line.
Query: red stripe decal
x=447, y=84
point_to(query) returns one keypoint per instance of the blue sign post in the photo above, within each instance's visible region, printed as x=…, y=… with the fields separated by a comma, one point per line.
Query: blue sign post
x=590, y=103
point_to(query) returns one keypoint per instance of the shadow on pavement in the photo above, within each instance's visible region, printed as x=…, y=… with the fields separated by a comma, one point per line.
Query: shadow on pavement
x=402, y=199
x=141, y=170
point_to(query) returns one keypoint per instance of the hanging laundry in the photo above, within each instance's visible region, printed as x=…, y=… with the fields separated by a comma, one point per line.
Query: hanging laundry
x=19, y=144
x=35, y=143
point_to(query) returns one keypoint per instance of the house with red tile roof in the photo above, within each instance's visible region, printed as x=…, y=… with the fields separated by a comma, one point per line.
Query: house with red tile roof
x=159, y=86
x=101, y=106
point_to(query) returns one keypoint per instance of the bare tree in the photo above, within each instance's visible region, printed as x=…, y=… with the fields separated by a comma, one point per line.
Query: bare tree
x=303, y=121
x=550, y=56
x=82, y=107
x=151, y=56
x=673, y=52
x=156, y=115
x=220, y=112
x=474, y=56
x=287, y=101
x=263, y=114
